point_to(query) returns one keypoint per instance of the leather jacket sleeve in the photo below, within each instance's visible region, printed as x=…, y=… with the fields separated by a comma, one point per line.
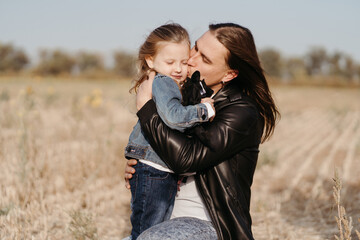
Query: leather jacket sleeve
x=231, y=131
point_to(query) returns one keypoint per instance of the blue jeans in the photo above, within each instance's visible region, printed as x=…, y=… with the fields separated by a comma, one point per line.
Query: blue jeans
x=180, y=229
x=152, y=197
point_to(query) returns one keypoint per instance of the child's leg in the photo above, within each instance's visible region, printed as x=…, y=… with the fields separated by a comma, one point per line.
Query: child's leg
x=153, y=193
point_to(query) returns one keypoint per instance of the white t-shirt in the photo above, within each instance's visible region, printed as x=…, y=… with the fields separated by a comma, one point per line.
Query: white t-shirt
x=188, y=202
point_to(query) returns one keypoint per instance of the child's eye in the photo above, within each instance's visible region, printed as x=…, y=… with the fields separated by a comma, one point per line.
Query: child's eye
x=170, y=62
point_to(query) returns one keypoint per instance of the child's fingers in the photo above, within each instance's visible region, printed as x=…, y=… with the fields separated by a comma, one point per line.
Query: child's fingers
x=209, y=100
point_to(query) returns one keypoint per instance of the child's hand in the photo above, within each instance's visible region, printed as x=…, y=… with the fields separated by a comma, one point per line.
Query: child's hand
x=208, y=100
x=211, y=102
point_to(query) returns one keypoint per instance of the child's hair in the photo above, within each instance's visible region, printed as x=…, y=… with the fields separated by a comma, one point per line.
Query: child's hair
x=171, y=32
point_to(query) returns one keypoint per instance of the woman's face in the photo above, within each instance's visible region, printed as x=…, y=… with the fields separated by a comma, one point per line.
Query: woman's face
x=171, y=60
x=208, y=57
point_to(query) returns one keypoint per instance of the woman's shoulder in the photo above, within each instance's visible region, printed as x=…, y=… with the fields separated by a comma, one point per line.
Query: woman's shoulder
x=237, y=107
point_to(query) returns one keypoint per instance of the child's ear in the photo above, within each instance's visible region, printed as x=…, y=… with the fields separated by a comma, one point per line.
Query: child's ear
x=150, y=62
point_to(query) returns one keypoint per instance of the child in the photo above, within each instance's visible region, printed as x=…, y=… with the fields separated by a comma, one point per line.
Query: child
x=154, y=186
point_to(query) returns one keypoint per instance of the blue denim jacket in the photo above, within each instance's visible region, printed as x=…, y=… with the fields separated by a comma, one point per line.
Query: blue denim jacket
x=167, y=97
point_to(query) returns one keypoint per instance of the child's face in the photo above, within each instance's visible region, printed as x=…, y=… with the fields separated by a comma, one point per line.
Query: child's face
x=171, y=60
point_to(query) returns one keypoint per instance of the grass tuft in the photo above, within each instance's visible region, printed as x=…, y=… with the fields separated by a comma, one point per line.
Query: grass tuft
x=82, y=226
x=344, y=222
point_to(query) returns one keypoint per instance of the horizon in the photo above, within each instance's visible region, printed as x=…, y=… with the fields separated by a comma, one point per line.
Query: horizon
x=108, y=26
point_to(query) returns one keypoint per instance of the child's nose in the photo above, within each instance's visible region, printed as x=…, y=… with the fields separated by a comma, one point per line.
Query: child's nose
x=178, y=68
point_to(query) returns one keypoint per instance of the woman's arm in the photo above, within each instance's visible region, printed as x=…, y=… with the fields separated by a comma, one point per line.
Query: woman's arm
x=232, y=131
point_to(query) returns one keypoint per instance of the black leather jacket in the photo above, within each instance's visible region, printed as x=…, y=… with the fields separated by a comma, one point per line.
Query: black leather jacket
x=225, y=164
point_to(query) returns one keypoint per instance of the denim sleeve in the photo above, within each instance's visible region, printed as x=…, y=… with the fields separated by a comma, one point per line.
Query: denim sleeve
x=167, y=97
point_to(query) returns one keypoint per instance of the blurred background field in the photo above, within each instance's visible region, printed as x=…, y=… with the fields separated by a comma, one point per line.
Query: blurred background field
x=61, y=160
x=66, y=113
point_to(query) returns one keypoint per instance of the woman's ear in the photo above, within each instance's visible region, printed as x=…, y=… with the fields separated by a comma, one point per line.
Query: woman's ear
x=150, y=62
x=230, y=75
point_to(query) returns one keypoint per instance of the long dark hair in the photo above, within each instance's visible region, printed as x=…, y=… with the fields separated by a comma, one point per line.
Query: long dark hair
x=171, y=32
x=244, y=59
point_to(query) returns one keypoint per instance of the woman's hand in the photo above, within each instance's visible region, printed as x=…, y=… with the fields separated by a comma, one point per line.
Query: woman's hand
x=129, y=171
x=144, y=92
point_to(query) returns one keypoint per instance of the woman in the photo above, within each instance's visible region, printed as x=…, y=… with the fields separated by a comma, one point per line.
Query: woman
x=245, y=116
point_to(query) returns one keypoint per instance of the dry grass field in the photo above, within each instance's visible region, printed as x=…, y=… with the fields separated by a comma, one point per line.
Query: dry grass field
x=61, y=161
x=292, y=192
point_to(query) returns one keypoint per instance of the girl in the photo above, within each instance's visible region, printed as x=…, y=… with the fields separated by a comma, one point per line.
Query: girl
x=154, y=186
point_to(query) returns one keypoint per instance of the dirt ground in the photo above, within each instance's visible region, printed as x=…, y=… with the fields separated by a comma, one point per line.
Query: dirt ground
x=61, y=161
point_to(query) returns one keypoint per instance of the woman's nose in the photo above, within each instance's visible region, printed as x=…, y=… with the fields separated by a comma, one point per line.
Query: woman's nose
x=191, y=60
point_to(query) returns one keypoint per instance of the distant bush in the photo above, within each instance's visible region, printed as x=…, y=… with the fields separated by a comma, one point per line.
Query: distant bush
x=55, y=63
x=271, y=61
x=89, y=62
x=124, y=64
x=12, y=59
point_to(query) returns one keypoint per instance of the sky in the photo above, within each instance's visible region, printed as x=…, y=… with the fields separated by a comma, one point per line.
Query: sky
x=103, y=26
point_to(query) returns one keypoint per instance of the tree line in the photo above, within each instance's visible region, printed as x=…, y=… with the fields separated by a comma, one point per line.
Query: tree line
x=14, y=60
x=317, y=63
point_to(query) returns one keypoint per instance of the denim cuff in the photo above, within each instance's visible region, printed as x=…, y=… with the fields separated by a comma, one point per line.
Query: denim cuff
x=146, y=112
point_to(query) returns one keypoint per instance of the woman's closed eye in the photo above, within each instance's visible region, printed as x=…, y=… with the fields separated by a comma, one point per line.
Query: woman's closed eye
x=205, y=60
x=203, y=57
